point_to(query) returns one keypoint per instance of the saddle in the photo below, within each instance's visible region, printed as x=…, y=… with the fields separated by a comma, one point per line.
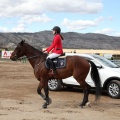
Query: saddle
x=59, y=62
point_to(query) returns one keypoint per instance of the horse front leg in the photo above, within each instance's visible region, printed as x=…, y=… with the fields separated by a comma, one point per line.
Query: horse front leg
x=44, y=84
x=48, y=100
x=40, y=86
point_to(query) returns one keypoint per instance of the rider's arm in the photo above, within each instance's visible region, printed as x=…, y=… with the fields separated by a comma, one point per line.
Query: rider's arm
x=54, y=43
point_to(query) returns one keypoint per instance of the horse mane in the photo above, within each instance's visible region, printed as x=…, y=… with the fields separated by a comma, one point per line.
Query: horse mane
x=34, y=49
x=44, y=55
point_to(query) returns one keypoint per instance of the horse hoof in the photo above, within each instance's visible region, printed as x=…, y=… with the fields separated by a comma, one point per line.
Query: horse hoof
x=82, y=104
x=88, y=104
x=44, y=106
x=49, y=101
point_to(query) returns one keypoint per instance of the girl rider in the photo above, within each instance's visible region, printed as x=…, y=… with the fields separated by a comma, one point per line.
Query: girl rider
x=55, y=48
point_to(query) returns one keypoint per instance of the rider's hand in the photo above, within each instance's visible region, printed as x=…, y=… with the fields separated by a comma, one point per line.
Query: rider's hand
x=45, y=51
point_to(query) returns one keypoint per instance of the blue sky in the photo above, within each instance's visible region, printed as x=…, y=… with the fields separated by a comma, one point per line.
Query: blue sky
x=83, y=16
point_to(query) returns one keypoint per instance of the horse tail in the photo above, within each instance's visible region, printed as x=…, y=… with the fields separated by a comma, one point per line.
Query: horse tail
x=96, y=78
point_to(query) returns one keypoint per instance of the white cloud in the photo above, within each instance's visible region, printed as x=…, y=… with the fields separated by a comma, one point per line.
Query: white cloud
x=117, y=34
x=100, y=19
x=3, y=29
x=81, y=24
x=19, y=8
x=80, y=6
x=37, y=7
x=29, y=11
x=28, y=19
x=108, y=31
x=110, y=18
x=19, y=28
x=24, y=22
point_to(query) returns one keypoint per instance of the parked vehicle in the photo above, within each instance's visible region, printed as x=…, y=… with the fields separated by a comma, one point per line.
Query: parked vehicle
x=108, y=71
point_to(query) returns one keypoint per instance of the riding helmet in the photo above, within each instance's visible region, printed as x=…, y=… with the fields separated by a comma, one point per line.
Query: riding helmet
x=57, y=29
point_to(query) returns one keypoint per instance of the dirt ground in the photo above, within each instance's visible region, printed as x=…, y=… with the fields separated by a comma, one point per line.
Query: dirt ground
x=20, y=101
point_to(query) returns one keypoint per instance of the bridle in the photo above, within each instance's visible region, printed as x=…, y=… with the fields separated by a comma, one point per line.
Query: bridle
x=33, y=57
x=19, y=49
x=15, y=55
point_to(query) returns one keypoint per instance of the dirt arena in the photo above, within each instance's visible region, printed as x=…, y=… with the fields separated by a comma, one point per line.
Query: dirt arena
x=20, y=101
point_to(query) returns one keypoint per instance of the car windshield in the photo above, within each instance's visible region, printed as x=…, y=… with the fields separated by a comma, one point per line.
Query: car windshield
x=106, y=62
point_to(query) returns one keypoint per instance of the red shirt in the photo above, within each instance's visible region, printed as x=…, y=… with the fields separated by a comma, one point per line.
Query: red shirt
x=56, y=45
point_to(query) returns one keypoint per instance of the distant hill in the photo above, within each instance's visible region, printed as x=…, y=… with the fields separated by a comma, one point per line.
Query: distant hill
x=71, y=40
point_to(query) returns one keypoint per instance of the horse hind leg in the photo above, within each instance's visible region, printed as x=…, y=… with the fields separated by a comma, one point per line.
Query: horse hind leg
x=86, y=91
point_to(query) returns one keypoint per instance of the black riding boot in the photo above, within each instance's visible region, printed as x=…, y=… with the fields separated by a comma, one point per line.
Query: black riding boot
x=52, y=66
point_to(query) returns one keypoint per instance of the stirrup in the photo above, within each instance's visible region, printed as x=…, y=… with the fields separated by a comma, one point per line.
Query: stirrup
x=55, y=72
x=51, y=72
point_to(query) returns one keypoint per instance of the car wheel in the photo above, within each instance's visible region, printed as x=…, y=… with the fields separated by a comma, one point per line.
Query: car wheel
x=54, y=84
x=113, y=89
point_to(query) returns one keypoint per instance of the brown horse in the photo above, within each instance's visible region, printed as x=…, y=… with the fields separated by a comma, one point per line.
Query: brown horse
x=76, y=66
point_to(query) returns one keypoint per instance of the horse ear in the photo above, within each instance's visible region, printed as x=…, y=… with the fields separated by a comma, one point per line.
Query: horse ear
x=23, y=41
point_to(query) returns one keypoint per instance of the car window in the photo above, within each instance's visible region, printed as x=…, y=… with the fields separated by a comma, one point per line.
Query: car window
x=96, y=63
x=87, y=58
x=106, y=62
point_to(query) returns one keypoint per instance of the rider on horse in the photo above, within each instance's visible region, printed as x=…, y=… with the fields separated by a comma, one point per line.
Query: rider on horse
x=55, y=48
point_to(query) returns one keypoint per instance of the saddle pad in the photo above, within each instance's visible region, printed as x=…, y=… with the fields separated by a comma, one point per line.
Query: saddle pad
x=58, y=62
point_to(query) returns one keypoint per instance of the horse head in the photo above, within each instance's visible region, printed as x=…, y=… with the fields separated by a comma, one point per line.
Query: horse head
x=18, y=52
x=27, y=50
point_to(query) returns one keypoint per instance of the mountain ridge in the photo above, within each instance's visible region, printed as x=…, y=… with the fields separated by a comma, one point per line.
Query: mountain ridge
x=72, y=40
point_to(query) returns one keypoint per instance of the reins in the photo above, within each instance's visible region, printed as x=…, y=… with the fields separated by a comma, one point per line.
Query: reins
x=29, y=57
x=33, y=57
x=40, y=61
x=40, y=54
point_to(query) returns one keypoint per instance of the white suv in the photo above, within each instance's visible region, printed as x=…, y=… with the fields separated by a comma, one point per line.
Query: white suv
x=108, y=71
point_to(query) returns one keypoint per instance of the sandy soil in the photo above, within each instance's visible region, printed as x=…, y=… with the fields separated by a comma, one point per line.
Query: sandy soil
x=20, y=101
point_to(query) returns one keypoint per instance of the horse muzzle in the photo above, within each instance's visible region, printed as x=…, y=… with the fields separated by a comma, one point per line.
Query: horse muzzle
x=13, y=57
